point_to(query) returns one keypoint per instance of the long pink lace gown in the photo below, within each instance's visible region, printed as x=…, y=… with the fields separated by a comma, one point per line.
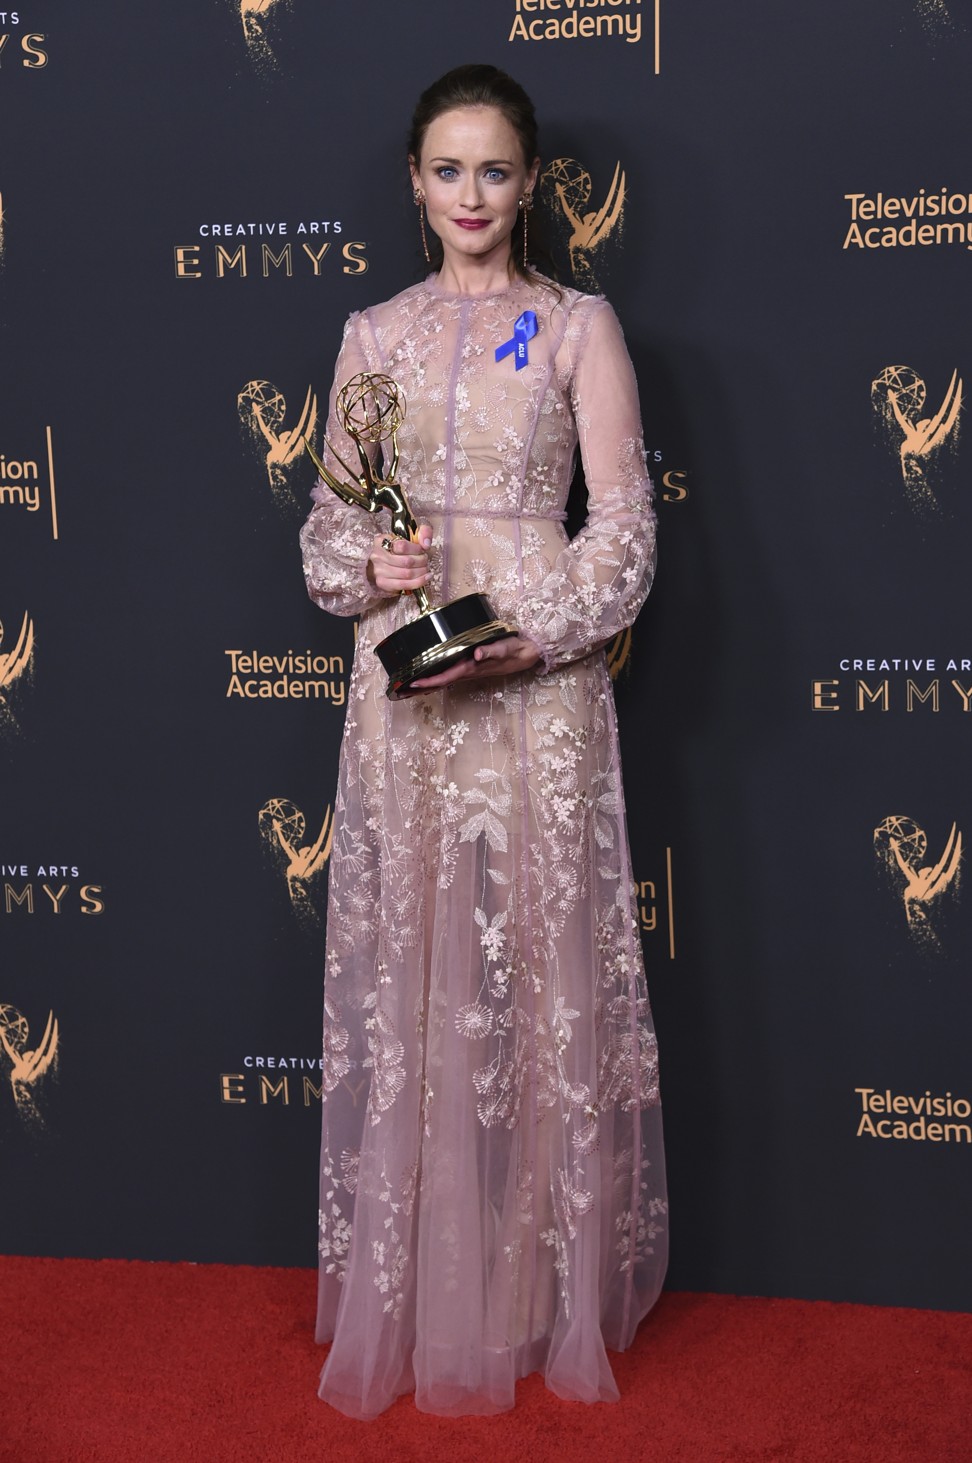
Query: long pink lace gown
x=492, y=1180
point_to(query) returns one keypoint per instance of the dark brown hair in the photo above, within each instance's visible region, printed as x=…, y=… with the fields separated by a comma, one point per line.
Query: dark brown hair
x=482, y=86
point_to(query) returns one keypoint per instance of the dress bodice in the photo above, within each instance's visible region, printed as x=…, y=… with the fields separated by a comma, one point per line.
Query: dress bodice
x=487, y=456
x=481, y=435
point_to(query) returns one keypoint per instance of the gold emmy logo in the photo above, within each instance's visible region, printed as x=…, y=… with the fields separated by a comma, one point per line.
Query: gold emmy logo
x=14, y=665
x=262, y=411
x=935, y=17
x=619, y=652
x=25, y=1066
x=567, y=185
x=898, y=395
x=284, y=828
x=2, y=237
x=257, y=16
x=902, y=846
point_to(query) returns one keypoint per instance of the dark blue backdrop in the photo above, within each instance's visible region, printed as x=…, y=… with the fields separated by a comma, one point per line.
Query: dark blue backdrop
x=808, y=958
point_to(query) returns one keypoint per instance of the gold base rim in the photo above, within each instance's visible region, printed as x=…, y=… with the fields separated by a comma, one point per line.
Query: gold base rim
x=437, y=656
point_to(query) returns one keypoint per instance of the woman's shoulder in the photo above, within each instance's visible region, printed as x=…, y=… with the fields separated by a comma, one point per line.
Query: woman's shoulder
x=553, y=289
x=575, y=307
x=409, y=300
x=383, y=311
x=373, y=326
x=573, y=314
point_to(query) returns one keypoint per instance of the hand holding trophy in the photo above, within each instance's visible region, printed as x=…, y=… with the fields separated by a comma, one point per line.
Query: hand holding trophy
x=371, y=408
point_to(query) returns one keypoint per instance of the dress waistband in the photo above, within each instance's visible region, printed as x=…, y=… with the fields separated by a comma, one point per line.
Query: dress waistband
x=455, y=512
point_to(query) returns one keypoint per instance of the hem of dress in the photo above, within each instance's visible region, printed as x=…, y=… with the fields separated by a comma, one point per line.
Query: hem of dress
x=496, y=1395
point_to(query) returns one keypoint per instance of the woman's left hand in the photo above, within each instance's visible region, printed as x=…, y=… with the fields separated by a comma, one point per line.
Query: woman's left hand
x=507, y=657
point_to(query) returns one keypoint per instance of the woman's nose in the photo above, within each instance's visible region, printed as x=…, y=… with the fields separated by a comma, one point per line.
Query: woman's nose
x=469, y=195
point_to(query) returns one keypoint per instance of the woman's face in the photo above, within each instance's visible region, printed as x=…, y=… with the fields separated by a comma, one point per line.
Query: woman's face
x=473, y=174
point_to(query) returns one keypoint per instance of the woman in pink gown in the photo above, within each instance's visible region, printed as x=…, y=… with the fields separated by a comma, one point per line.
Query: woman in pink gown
x=492, y=1178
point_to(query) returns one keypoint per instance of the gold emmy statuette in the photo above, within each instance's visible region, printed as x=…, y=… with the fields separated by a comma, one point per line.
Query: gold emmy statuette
x=371, y=408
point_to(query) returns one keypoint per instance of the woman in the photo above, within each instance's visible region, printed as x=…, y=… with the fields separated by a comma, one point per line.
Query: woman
x=492, y=1198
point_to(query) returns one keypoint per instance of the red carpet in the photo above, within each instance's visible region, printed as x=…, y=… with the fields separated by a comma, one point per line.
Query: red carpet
x=113, y=1362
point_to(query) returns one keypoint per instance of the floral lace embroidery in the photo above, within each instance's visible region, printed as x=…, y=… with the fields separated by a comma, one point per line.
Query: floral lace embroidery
x=505, y=796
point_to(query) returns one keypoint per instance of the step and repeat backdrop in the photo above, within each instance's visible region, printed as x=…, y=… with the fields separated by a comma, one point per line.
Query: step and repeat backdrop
x=778, y=201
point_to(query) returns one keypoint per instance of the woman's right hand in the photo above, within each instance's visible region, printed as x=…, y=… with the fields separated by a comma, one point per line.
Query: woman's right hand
x=404, y=565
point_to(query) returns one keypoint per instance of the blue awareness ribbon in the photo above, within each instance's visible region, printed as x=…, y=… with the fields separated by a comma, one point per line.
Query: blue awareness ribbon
x=524, y=329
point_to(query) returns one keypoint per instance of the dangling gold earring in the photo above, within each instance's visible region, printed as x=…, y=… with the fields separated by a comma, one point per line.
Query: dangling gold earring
x=526, y=203
x=419, y=197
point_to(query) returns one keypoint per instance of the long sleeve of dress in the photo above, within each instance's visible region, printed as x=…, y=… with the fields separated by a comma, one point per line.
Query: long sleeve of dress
x=337, y=538
x=601, y=578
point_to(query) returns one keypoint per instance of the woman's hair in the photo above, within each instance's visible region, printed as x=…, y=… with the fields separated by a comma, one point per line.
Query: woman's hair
x=483, y=86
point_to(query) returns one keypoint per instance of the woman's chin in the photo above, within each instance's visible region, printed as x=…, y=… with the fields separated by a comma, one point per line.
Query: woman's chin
x=464, y=244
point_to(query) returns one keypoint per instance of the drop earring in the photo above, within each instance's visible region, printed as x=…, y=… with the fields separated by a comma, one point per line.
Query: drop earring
x=526, y=203
x=419, y=197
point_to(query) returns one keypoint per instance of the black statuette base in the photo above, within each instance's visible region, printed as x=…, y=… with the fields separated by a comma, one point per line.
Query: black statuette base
x=436, y=640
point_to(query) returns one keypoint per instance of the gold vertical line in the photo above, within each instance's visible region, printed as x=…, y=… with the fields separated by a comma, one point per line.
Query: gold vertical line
x=50, y=470
x=671, y=906
x=657, y=37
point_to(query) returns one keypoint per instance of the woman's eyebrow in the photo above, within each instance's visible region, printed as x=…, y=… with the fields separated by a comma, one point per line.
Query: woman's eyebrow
x=490, y=162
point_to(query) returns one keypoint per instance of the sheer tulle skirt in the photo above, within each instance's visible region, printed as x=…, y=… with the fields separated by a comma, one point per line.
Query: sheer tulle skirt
x=492, y=1195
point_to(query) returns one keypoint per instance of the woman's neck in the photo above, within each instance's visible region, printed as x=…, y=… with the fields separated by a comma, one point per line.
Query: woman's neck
x=463, y=275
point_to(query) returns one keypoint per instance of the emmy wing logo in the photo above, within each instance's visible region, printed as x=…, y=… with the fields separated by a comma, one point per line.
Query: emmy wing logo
x=15, y=664
x=902, y=847
x=567, y=187
x=283, y=828
x=2, y=238
x=935, y=17
x=258, y=17
x=263, y=411
x=618, y=652
x=22, y=1065
x=899, y=396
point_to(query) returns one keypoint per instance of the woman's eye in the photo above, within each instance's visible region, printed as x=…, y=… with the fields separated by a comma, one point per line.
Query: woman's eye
x=446, y=173
x=496, y=175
